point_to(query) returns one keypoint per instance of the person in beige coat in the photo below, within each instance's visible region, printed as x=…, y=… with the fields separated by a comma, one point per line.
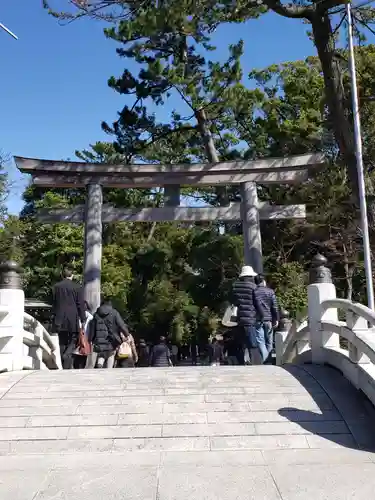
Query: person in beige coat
x=127, y=356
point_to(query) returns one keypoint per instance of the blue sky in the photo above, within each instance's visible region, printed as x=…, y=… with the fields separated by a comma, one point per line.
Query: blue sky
x=53, y=86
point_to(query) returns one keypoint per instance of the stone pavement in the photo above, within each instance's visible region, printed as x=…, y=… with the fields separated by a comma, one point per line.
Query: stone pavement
x=207, y=433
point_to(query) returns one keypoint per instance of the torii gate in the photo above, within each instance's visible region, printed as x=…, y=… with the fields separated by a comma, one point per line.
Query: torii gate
x=94, y=176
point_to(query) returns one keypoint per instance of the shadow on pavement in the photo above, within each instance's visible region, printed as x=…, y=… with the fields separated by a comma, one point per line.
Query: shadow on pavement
x=345, y=416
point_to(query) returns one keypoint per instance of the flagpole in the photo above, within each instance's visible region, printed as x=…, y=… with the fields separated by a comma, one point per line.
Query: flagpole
x=359, y=158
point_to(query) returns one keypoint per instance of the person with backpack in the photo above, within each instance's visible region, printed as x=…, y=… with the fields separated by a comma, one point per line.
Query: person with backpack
x=127, y=356
x=108, y=332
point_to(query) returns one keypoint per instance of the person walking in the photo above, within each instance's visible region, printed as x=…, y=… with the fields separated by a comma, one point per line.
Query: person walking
x=268, y=321
x=143, y=354
x=216, y=353
x=108, y=331
x=69, y=315
x=194, y=351
x=128, y=357
x=233, y=350
x=248, y=309
x=174, y=351
x=160, y=355
x=80, y=361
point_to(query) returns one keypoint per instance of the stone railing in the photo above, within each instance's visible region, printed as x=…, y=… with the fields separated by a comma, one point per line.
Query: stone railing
x=24, y=342
x=320, y=338
x=291, y=339
x=40, y=349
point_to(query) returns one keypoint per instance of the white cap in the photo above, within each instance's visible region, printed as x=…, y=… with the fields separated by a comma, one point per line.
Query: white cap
x=247, y=271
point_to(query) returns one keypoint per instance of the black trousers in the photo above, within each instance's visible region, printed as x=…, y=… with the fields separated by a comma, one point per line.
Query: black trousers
x=125, y=363
x=68, y=343
x=79, y=362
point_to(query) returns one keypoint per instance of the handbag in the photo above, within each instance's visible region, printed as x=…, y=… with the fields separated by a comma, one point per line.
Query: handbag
x=230, y=317
x=83, y=346
x=124, y=351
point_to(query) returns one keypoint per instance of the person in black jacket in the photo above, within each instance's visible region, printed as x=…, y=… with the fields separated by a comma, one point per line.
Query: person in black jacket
x=68, y=310
x=107, y=332
x=160, y=355
x=266, y=297
x=216, y=353
x=143, y=354
x=248, y=310
x=233, y=350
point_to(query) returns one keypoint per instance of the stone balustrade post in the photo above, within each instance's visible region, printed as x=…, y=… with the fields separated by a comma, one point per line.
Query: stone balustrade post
x=12, y=308
x=36, y=352
x=358, y=325
x=320, y=289
x=281, y=335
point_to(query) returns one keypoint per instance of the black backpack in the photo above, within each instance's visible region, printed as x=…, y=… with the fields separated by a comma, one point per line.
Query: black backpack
x=107, y=328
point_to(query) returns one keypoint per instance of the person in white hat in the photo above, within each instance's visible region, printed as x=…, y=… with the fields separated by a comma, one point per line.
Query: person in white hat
x=247, y=271
x=248, y=309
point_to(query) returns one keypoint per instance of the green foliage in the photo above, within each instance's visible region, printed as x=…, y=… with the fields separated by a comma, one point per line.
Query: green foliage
x=290, y=282
x=218, y=259
x=168, y=311
x=47, y=250
x=10, y=233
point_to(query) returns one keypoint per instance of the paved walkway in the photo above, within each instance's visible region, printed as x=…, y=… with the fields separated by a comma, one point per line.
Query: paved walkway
x=205, y=433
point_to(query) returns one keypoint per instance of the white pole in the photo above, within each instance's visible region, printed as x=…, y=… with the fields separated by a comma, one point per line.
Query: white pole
x=358, y=153
x=8, y=31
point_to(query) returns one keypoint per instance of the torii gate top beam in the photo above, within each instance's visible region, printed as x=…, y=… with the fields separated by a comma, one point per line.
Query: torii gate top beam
x=51, y=173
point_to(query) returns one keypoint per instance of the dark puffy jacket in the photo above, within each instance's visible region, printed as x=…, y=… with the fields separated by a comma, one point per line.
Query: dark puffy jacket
x=143, y=355
x=266, y=299
x=244, y=300
x=160, y=356
x=105, y=329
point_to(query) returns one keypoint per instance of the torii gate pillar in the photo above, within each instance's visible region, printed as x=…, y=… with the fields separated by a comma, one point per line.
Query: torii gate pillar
x=251, y=226
x=93, y=245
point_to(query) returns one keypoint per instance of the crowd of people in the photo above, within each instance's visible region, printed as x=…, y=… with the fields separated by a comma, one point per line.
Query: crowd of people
x=251, y=341
x=108, y=342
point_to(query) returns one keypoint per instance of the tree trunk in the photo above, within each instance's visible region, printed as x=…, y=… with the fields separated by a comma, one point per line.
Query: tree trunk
x=204, y=128
x=349, y=271
x=349, y=284
x=324, y=40
x=153, y=225
x=152, y=231
x=206, y=135
x=211, y=155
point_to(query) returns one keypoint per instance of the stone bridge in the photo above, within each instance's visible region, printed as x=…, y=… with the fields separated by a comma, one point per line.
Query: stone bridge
x=213, y=433
x=301, y=430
